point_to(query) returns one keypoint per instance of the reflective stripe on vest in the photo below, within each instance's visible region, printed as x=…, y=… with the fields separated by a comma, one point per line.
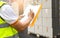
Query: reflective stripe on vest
x=4, y=25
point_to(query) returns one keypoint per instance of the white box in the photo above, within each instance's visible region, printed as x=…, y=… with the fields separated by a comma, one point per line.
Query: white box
x=38, y=25
x=46, y=13
x=47, y=4
x=31, y=29
x=47, y=22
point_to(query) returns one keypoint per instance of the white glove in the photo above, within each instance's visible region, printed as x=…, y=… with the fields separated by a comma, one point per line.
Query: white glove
x=7, y=13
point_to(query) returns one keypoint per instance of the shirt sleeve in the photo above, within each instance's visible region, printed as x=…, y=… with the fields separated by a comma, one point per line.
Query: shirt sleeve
x=7, y=13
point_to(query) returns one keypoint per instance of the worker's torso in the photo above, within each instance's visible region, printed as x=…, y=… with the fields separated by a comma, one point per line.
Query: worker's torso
x=5, y=29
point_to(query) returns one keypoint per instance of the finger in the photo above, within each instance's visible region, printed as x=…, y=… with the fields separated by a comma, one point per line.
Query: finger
x=30, y=10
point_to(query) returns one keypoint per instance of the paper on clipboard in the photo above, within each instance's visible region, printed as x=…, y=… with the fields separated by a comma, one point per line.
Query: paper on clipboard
x=36, y=9
x=37, y=12
x=27, y=10
x=33, y=8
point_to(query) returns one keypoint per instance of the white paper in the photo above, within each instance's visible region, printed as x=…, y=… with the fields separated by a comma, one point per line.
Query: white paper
x=27, y=10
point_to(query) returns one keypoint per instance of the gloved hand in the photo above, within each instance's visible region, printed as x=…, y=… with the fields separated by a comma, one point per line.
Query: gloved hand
x=7, y=13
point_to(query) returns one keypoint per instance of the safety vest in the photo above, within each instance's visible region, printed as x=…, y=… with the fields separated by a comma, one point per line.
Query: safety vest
x=5, y=29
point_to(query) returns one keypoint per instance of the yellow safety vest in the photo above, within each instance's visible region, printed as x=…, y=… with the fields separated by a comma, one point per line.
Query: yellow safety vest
x=5, y=29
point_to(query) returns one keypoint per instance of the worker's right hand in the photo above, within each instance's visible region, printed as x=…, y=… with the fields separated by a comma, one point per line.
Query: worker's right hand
x=31, y=14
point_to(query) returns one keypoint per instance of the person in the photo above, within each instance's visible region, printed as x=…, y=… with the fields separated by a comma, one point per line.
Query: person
x=10, y=23
x=19, y=6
